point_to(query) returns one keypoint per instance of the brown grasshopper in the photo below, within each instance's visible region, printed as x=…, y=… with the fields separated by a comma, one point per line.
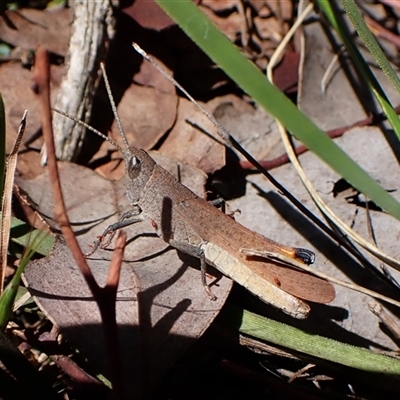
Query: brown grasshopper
x=196, y=227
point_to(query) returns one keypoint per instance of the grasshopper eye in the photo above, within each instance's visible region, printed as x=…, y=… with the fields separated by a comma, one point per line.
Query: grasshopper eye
x=133, y=167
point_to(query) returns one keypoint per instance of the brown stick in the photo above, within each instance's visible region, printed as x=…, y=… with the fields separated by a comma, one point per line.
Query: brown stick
x=104, y=297
x=333, y=133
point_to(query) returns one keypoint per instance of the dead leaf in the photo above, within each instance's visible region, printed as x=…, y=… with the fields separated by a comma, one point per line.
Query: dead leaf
x=220, y=5
x=251, y=126
x=157, y=111
x=338, y=106
x=148, y=14
x=282, y=9
x=229, y=25
x=286, y=74
x=15, y=83
x=270, y=28
x=50, y=28
x=189, y=144
x=148, y=75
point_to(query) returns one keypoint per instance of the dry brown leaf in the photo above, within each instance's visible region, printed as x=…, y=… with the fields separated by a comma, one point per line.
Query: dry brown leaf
x=281, y=8
x=187, y=143
x=263, y=10
x=286, y=74
x=270, y=28
x=150, y=76
x=251, y=126
x=34, y=27
x=220, y=5
x=148, y=14
x=230, y=25
x=147, y=114
x=339, y=95
x=15, y=83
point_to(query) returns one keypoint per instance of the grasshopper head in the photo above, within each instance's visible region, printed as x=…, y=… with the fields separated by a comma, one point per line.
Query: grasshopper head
x=139, y=167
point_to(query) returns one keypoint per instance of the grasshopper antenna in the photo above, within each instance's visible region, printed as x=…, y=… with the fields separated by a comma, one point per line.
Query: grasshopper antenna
x=114, y=110
x=113, y=107
x=221, y=130
x=87, y=126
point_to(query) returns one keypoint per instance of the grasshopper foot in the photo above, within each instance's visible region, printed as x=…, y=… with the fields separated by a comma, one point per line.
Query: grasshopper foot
x=127, y=218
x=100, y=243
x=203, y=270
x=212, y=296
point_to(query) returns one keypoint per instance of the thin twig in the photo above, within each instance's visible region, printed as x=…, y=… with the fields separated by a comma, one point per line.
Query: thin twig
x=105, y=297
x=333, y=133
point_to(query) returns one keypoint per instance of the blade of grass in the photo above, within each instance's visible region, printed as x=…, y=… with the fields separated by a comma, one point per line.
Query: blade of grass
x=336, y=20
x=318, y=346
x=10, y=292
x=35, y=241
x=201, y=30
x=370, y=42
x=22, y=234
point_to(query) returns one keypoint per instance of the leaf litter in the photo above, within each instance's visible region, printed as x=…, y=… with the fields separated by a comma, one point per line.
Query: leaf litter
x=169, y=324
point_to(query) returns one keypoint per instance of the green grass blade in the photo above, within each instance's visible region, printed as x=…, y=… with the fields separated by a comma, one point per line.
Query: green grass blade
x=370, y=42
x=23, y=234
x=202, y=31
x=340, y=26
x=318, y=346
x=36, y=240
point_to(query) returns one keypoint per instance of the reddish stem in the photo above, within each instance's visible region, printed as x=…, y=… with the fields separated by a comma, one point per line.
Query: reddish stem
x=333, y=133
x=104, y=297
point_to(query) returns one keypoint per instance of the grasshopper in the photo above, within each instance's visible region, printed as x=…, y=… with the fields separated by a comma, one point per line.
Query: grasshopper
x=196, y=227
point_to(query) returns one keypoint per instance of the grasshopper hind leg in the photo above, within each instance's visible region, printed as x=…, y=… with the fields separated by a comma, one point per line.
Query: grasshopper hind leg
x=198, y=253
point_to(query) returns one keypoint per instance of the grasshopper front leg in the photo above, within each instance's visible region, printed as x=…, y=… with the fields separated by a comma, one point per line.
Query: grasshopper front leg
x=127, y=218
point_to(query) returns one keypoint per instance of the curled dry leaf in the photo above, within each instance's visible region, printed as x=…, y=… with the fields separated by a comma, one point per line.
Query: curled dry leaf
x=251, y=126
x=148, y=14
x=157, y=111
x=35, y=27
x=220, y=5
x=230, y=25
x=188, y=144
x=15, y=83
x=161, y=303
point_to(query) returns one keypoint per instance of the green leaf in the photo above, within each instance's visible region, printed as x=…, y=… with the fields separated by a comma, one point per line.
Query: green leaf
x=308, y=343
x=34, y=241
x=336, y=20
x=24, y=235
